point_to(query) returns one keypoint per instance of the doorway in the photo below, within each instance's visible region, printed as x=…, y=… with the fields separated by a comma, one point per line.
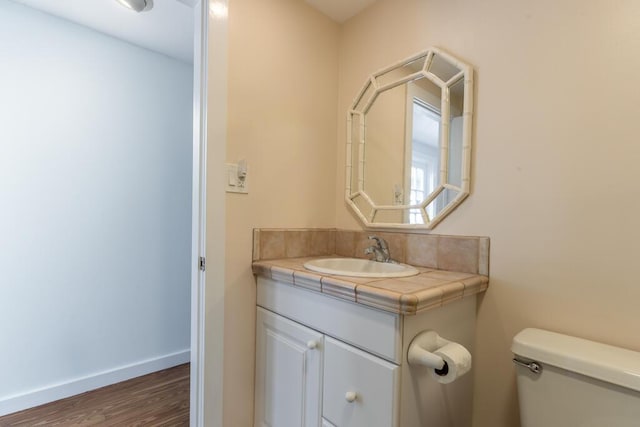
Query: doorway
x=96, y=185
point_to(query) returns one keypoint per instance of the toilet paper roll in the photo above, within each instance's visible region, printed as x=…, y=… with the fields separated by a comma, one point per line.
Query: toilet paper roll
x=458, y=362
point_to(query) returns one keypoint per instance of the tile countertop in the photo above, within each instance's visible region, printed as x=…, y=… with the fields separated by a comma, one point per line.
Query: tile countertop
x=405, y=295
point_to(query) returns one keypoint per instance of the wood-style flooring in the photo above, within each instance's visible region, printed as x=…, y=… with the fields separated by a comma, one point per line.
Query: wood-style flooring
x=157, y=399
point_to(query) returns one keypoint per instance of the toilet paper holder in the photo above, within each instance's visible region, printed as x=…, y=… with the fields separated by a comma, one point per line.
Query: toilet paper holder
x=421, y=351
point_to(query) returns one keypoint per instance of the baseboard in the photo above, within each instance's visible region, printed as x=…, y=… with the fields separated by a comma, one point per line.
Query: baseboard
x=91, y=382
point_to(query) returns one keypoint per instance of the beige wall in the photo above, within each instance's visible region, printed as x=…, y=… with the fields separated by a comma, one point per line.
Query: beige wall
x=555, y=174
x=282, y=120
x=555, y=183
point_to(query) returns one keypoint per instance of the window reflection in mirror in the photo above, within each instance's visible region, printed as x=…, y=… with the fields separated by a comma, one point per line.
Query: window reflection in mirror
x=424, y=156
x=422, y=151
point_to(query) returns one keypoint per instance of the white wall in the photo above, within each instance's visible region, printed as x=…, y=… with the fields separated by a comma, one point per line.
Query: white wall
x=95, y=205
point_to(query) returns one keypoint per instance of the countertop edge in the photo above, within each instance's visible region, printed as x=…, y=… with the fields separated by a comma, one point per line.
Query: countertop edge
x=377, y=293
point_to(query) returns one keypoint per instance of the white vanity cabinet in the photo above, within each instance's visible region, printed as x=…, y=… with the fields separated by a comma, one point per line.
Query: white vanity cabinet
x=356, y=389
x=289, y=362
x=326, y=362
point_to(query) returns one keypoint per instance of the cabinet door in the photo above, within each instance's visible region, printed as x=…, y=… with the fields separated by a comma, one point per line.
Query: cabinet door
x=360, y=390
x=288, y=373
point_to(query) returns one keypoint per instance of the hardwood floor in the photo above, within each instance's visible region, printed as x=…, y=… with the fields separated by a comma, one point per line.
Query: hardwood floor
x=157, y=399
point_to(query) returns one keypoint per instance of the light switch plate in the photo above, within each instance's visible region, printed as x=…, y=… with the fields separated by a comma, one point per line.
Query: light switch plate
x=233, y=183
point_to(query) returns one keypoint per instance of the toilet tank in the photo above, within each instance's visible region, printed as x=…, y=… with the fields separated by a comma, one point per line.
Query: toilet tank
x=580, y=383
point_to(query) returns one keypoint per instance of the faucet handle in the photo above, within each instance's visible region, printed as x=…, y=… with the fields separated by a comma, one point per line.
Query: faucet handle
x=382, y=244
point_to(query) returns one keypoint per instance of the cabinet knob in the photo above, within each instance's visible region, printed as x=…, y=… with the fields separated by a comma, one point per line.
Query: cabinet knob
x=351, y=396
x=311, y=345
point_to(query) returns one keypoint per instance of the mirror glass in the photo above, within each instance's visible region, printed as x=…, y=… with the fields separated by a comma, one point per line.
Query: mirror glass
x=409, y=142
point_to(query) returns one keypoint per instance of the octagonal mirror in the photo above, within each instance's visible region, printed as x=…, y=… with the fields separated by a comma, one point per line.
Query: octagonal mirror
x=409, y=142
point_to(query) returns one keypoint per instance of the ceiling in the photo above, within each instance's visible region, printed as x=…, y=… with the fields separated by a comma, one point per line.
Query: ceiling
x=340, y=10
x=167, y=28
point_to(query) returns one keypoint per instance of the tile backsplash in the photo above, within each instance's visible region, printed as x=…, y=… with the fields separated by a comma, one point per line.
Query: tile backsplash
x=292, y=243
x=466, y=254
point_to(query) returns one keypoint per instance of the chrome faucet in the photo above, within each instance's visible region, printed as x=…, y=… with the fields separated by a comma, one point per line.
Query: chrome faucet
x=380, y=250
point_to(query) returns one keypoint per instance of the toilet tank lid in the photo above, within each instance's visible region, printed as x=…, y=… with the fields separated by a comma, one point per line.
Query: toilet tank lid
x=604, y=362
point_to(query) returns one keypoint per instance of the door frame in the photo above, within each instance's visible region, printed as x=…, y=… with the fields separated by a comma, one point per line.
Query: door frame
x=208, y=212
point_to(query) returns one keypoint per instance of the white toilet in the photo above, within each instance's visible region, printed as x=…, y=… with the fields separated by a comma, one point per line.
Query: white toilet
x=565, y=381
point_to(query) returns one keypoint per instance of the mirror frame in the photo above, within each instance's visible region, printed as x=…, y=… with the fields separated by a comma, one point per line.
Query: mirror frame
x=359, y=108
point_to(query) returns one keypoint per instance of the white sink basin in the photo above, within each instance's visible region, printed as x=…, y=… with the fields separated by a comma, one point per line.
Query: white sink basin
x=359, y=267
